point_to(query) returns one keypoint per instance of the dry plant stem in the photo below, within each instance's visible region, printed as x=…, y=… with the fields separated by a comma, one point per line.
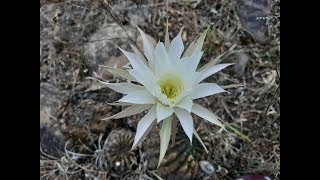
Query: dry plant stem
x=262, y=129
x=269, y=104
x=226, y=108
x=117, y=20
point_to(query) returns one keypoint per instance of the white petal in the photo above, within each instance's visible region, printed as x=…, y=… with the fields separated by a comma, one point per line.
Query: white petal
x=205, y=89
x=144, y=126
x=145, y=78
x=179, y=98
x=189, y=80
x=191, y=62
x=123, y=88
x=185, y=103
x=205, y=114
x=135, y=109
x=136, y=62
x=212, y=70
x=186, y=121
x=183, y=95
x=139, y=97
x=212, y=62
x=120, y=104
x=120, y=72
x=165, y=134
x=190, y=48
x=163, y=112
x=166, y=38
x=162, y=63
x=188, y=77
x=196, y=45
x=162, y=98
x=139, y=54
x=176, y=48
x=147, y=49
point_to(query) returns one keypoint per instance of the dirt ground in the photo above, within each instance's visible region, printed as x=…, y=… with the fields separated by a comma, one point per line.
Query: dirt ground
x=77, y=36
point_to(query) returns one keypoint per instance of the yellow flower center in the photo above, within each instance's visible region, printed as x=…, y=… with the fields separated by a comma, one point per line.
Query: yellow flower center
x=170, y=86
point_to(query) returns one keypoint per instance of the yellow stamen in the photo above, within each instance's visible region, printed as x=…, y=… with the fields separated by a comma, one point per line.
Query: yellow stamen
x=170, y=86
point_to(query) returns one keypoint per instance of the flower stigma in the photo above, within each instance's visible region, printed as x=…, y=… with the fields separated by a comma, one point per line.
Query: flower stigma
x=170, y=86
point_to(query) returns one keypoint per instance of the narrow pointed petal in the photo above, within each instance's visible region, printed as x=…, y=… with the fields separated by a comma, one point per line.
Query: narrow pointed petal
x=162, y=62
x=132, y=110
x=176, y=48
x=139, y=97
x=140, y=71
x=185, y=103
x=120, y=72
x=212, y=70
x=205, y=114
x=179, y=98
x=120, y=104
x=163, y=112
x=191, y=62
x=189, y=50
x=165, y=134
x=212, y=62
x=145, y=78
x=166, y=38
x=136, y=62
x=162, y=98
x=186, y=121
x=205, y=89
x=199, y=139
x=123, y=88
x=148, y=49
x=139, y=54
x=144, y=126
x=196, y=45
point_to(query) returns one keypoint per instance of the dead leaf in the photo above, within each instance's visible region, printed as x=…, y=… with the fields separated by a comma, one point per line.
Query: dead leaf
x=184, y=36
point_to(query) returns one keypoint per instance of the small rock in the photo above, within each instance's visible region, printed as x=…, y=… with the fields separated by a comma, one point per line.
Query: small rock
x=253, y=16
x=103, y=44
x=241, y=61
x=206, y=167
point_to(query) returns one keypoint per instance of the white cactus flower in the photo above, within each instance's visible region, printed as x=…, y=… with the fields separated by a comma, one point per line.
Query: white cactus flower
x=169, y=82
